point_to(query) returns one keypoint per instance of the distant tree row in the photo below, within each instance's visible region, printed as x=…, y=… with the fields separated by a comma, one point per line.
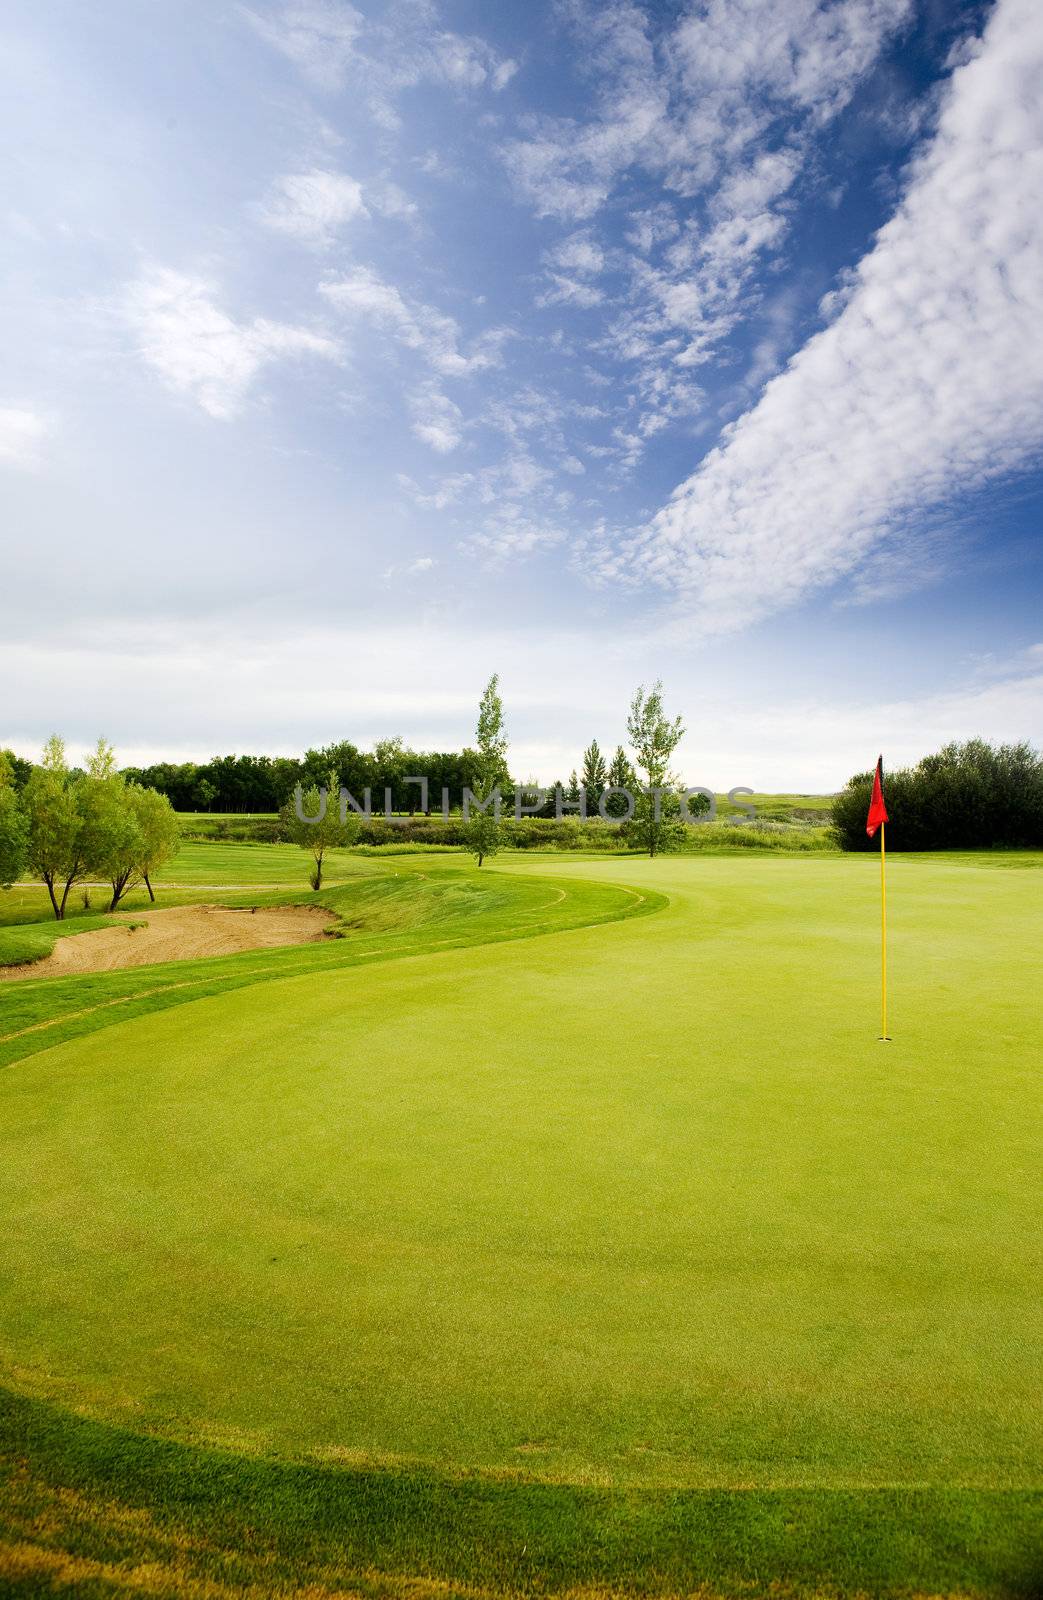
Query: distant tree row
x=262, y=783
x=968, y=796
x=68, y=826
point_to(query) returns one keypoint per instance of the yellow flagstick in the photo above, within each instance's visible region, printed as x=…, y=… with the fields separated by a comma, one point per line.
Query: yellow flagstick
x=884, y=1035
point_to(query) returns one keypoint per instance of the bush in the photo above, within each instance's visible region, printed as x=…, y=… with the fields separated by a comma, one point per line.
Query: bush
x=966, y=797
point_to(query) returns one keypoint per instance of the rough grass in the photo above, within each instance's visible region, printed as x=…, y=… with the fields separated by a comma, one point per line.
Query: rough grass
x=623, y=1259
x=383, y=913
x=89, y=1509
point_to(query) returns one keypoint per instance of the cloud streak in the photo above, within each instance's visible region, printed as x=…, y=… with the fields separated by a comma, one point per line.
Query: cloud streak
x=928, y=381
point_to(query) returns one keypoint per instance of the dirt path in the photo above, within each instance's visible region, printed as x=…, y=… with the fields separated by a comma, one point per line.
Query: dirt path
x=182, y=933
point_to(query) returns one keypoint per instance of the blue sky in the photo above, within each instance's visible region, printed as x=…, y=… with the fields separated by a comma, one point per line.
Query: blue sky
x=356, y=351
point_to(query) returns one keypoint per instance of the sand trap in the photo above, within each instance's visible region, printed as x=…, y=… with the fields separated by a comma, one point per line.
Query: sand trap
x=182, y=933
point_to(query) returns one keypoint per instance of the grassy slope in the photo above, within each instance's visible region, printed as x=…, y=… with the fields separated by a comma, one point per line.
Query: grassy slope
x=645, y=1206
x=390, y=913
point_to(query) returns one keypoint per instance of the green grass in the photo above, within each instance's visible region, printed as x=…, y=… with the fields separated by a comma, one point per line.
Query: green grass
x=385, y=913
x=625, y=1256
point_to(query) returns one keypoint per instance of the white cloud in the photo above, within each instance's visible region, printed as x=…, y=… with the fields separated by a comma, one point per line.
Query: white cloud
x=198, y=350
x=580, y=253
x=437, y=420
x=333, y=44
x=364, y=295
x=446, y=492
x=569, y=291
x=571, y=264
x=22, y=435
x=409, y=569
x=313, y=206
x=511, y=535
x=722, y=74
x=722, y=103
x=930, y=379
x=391, y=201
x=318, y=36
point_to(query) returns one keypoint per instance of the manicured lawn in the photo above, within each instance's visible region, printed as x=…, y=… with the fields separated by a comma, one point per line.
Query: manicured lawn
x=629, y=1247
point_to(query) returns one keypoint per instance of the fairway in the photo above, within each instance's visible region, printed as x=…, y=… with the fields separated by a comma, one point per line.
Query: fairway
x=640, y=1207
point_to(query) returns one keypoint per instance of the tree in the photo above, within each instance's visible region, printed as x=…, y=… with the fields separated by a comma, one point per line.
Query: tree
x=109, y=836
x=655, y=828
x=101, y=763
x=55, y=825
x=205, y=793
x=160, y=833
x=149, y=835
x=595, y=774
x=654, y=739
x=391, y=763
x=321, y=830
x=621, y=775
x=20, y=769
x=482, y=833
x=14, y=827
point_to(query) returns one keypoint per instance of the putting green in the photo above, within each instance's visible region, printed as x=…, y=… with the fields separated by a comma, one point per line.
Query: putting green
x=639, y=1204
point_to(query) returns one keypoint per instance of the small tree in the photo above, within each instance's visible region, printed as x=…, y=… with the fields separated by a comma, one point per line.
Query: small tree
x=621, y=775
x=654, y=739
x=657, y=834
x=595, y=774
x=55, y=825
x=14, y=827
x=482, y=832
x=108, y=840
x=321, y=830
x=490, y=753
x=159, y=830
x=149, y=835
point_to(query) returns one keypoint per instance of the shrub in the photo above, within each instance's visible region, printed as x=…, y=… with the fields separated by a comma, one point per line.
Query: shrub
x=968, y=796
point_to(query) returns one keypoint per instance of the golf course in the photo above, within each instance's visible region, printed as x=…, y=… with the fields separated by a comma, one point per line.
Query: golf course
x=559, y=1226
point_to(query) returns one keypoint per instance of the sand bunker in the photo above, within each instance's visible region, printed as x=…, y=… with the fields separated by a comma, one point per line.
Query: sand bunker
x=182, y=933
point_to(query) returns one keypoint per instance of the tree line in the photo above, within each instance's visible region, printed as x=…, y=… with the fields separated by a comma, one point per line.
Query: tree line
x=66, y=826
x=966, y=796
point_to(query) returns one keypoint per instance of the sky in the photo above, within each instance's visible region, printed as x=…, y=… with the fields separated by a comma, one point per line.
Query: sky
x=353, y=352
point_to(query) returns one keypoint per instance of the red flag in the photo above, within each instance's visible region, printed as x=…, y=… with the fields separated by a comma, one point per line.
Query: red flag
x=877, y=809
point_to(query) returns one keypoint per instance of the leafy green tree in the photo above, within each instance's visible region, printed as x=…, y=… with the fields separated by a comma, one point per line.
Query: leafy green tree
x=656, y=833
x=621, y=775
x=484, y=834
x=205, y=793
x=101, y=763
x=56, y=837
x=142, y=832
x=318, y=834
x=595, y=774
x=482, y=831
x=654, y=738
x=160, y=833
x=110, y=840
x=20, y=769
x=14, y=826
x=391, y=763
